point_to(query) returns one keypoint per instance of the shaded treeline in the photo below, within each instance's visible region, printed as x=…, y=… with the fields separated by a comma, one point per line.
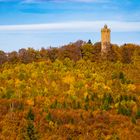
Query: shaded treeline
x=75, y=51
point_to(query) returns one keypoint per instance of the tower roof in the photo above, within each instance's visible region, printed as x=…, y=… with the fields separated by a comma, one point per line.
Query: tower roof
x=105, y=26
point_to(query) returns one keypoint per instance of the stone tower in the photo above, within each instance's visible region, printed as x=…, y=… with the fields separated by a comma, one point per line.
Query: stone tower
x=105, y=40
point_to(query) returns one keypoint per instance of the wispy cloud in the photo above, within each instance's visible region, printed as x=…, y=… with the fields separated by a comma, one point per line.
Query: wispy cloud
x=7, y=0
x=75, y=26
x=85, y=1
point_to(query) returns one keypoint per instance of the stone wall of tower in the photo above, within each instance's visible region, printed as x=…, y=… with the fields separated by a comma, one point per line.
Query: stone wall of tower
x=105, y=40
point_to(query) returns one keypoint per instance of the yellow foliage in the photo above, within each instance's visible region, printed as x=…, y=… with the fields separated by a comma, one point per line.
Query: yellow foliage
x=46, y=90
x=52, y=124
x=85, y=94
x=47, y=102
x=17, y=82
x=54, y=85
x=131, y=87
x=108, y=137
x=68, y=79
x=71, y=91
x=107, y=88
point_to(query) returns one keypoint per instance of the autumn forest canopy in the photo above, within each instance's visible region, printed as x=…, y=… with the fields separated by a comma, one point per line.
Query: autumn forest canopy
x=70, y=93
x=74, y=51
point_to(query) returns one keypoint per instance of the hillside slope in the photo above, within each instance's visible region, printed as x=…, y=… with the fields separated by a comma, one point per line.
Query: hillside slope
x=70, y=100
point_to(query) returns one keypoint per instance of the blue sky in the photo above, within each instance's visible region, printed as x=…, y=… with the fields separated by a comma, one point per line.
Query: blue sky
x=44, y=23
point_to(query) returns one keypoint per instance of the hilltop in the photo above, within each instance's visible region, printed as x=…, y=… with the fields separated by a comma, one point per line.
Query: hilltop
x=71, y=92
x=74, y=51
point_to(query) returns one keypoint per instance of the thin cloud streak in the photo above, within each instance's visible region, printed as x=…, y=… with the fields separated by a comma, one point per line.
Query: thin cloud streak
x=41, y=1
x=76, y=26
x=85, y=1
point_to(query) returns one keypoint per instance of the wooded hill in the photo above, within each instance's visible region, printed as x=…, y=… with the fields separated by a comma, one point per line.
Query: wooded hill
x=75, y=51
x=70, y=93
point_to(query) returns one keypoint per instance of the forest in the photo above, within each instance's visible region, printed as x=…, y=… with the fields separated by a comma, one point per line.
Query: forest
x=70, y=93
